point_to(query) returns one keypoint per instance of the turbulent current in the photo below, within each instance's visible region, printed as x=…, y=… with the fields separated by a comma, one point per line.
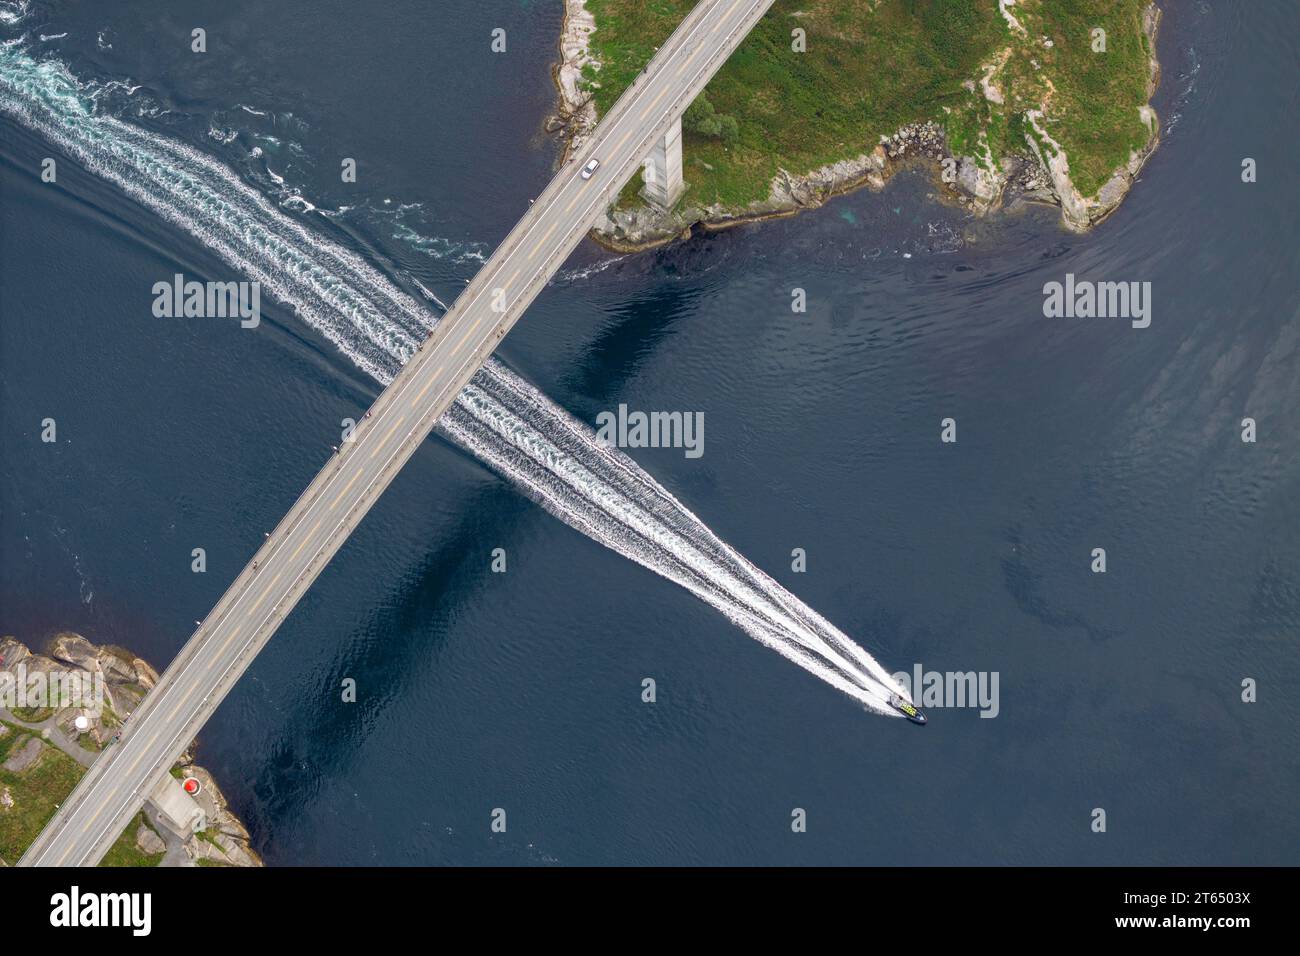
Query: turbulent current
x=553, y=458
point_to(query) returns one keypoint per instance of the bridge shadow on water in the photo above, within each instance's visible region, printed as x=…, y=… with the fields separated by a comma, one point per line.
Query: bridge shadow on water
x=385, y=655
x=638, y=325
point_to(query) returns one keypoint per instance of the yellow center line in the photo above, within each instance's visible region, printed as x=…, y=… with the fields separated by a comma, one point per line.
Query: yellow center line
x=345, y=490
x=461, y=341
x=686, y=65
x=179, y=704
x=98, y=813
x=95, y=815
x=655, y=101
x=429, y=384
x=379, y=446
x=266, y=594
x=542, y=242
x=310, y=534
x=130, y=770
x=619, y=144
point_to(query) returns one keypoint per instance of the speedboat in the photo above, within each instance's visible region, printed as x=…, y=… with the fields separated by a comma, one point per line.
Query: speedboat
x=908, y=710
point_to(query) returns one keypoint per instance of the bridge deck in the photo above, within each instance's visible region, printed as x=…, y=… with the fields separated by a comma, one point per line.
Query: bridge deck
x=264, y=593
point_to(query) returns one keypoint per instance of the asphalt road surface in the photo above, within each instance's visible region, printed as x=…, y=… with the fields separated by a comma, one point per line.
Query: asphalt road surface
x=264, y=593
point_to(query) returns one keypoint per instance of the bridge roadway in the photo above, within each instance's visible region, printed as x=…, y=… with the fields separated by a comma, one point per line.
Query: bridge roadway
x=264, y=593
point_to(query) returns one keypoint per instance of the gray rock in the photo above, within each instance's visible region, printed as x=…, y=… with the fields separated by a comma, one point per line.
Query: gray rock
x=149, y=842
x=76, y=650
x=12, y=652
x=26, y=755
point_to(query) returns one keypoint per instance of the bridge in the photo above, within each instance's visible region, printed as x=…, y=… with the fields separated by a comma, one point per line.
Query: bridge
x=644, y=124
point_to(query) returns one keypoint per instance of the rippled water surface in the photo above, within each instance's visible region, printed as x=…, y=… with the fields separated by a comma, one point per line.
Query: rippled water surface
x=523, y=690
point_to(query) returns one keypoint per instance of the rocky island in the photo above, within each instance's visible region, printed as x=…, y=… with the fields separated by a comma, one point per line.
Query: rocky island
x=1007, y=101
x=58, y=710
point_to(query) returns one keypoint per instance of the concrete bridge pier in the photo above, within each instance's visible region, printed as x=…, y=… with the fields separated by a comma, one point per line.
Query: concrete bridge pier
x=662, y=169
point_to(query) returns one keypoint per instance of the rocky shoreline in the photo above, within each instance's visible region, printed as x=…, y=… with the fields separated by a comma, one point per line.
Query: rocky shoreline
x=81, y=733
x=1025, y=176
x=575, y=117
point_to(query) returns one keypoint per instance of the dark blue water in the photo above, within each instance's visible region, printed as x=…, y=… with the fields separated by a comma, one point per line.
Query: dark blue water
x=522, y=690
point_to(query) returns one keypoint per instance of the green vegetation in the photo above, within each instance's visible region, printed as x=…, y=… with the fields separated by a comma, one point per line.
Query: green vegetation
x=1094, y=113
x=873, y=66
x=125, y=853
x=701, y=118
x=36, y=792
x=33, y=715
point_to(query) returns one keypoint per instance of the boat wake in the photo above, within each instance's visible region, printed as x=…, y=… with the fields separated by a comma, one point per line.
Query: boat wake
x=519, y=432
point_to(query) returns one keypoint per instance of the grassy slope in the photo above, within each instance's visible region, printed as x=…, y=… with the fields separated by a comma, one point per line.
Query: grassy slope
x=37, y=791
x=125, y=853
x=873, y=67
x=1094, y=114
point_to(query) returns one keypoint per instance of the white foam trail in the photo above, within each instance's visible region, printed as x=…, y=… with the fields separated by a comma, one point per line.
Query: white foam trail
x=12, y=12
x=499, y=417
x=686, y=563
